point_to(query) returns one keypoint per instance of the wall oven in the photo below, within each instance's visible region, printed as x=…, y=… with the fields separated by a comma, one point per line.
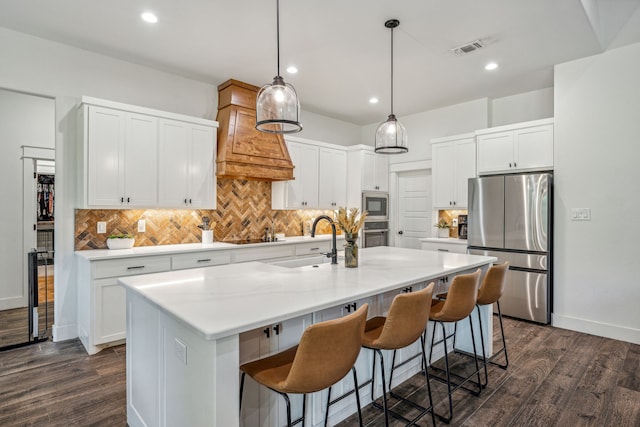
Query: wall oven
x=376, y=203
x=376, y=233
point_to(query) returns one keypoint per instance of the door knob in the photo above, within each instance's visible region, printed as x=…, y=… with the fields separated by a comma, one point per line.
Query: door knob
x=400, y=232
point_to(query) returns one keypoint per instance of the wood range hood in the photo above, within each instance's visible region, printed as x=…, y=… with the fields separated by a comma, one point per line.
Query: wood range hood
x=243, y=151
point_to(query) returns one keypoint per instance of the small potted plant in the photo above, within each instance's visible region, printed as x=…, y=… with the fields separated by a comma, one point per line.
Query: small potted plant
x=443, y=228
x=120, y=241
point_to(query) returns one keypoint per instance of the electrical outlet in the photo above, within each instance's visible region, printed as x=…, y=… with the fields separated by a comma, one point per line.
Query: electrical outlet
x=102, y=227
x=181, y=350
x=580, y=214
x=141, y=226
x=454, y=222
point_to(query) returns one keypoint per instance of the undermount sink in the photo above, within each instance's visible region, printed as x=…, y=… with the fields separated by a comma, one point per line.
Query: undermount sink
x=305, y=261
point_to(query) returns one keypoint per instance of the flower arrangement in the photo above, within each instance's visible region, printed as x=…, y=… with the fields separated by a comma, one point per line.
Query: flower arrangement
x=350, y=220
x=442, y=224
x=120, y=236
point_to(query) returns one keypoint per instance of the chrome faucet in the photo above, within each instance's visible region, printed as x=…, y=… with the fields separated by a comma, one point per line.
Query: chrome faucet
x=334, y=252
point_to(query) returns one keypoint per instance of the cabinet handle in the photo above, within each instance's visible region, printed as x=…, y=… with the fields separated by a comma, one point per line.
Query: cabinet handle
x=350, y=307
x=450, y=204
x=454, y=203
x=509, y=164
x=276, y=329
x=205, y=260
x=443, y=250
x=515, y=164
x=189, y=201
x=135, y=267
x=185, y=201
x=128, y=199
x=267, y=332
x=314, y=249
x=121, y=199
x=408, y=289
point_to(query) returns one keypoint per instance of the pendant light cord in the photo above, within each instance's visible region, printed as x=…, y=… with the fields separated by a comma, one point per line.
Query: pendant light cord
x=391, y=71
x=278, y=32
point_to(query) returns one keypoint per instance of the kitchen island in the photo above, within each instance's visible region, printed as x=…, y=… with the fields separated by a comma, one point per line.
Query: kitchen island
x=184, y=327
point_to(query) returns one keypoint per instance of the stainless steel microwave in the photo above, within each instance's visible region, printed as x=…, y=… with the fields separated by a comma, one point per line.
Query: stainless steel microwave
x=376, y=203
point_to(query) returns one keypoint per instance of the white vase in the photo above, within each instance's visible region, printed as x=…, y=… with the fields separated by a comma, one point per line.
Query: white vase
x=443, y=232
x=207, y=236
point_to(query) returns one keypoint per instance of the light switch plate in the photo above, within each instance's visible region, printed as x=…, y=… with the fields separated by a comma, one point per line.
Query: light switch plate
x=102, y=227
x=580, y=214
x=141, y=226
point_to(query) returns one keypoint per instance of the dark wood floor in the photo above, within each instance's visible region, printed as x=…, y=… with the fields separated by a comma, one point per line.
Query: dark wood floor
x=556, y=378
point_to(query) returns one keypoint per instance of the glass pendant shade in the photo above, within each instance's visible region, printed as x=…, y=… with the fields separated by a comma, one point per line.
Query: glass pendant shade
x=278, y=108
x=391, y=137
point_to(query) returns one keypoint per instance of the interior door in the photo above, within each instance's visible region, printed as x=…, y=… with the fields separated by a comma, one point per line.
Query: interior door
x=414, y=208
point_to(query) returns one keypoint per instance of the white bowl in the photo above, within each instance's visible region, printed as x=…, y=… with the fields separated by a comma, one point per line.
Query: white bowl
x=120, y=243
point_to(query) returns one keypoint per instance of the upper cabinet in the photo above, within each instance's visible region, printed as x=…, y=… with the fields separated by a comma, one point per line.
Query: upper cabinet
x=366, y=171
x=135, y=157
x=186, y=153
x=320, y=173
x=454, y=162
x=516, y=148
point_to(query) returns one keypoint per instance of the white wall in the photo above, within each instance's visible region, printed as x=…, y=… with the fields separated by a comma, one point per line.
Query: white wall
x=597, y=147
x=24, y=120
x=523, y=107
x=325, y=129
x=422, y=127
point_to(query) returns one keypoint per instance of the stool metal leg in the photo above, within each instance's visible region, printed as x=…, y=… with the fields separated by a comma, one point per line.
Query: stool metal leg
x=484, y=353
x=357, y=391
x=241, y=390
x=504, y=342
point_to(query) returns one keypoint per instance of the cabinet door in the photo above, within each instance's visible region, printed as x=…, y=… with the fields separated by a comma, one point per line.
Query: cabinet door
x=495, y=152
x=174, y=164
x=443, y=175
x=302, y=192
x=533, y=148
x=110, y=314
x=141, y=161
x=381, y=167
x=465, y=168
x=105, y=147
x=201, y=184
x=332, y=182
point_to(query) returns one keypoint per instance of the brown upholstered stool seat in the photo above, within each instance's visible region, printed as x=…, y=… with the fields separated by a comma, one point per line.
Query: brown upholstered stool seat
x=404, y=325
x=326, y=353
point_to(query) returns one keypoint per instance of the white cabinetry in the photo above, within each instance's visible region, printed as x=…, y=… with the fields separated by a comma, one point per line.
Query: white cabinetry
x=366, y=171
x=454, y=162
x=122, y=163
x=123, y=147
x=261, y=406
x=187, y=159
x=332, y=185
x=320, y=174
x=444, y=245
x=515, y=148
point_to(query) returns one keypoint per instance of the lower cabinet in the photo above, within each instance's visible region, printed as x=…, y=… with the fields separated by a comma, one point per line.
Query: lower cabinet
x=261, y=406
x=445, y=245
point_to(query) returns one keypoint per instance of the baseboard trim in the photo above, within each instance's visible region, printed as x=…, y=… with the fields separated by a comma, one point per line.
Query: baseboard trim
x=606, y=330
x=64, y=332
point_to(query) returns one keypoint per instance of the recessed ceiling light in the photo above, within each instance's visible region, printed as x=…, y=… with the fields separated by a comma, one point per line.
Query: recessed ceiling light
x=292, y=70
x=491, y=66
x=149, y=17
x=373, y=100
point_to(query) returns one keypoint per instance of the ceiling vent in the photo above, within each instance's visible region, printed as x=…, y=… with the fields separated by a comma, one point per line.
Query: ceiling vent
x=468, y=47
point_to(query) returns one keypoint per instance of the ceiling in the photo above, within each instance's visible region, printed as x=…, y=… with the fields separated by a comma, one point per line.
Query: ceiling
x=341, y=48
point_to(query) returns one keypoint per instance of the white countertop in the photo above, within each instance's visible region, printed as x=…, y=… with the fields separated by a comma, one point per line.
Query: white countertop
x=444, y=240
x=97, y=254
x=229, y=299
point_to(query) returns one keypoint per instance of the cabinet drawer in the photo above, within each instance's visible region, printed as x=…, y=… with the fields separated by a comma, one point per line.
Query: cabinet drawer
x=313, y=248
x=444, y=247
x=200, y=259
x=131, y=266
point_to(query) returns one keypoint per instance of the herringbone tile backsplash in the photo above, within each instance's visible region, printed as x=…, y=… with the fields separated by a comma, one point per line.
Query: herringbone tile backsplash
x=243, y=211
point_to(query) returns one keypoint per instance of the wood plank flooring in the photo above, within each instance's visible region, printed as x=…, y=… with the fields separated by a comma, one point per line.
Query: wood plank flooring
x=555, y=378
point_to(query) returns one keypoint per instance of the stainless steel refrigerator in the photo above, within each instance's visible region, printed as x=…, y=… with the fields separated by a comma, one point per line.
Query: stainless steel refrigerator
x=511, y=218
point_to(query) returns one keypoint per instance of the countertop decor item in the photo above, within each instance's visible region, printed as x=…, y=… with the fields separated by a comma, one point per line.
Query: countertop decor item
x=207, y=232
x=350, y=221
x=277, y=105
x=443, y=228
x=120, y=241
x=391, y=136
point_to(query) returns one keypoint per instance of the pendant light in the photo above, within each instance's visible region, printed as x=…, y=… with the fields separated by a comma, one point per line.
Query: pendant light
x=391, y=136
x=277, y=105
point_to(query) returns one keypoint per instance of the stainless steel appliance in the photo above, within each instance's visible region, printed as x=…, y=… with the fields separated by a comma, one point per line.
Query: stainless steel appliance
x=375, y=233
x=511, y=218
x=376, y=203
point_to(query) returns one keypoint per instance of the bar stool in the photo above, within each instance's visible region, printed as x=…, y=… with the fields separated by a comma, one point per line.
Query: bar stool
x=459, y=304
x=325, y=354
x=405, y=323
x=490, y=292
